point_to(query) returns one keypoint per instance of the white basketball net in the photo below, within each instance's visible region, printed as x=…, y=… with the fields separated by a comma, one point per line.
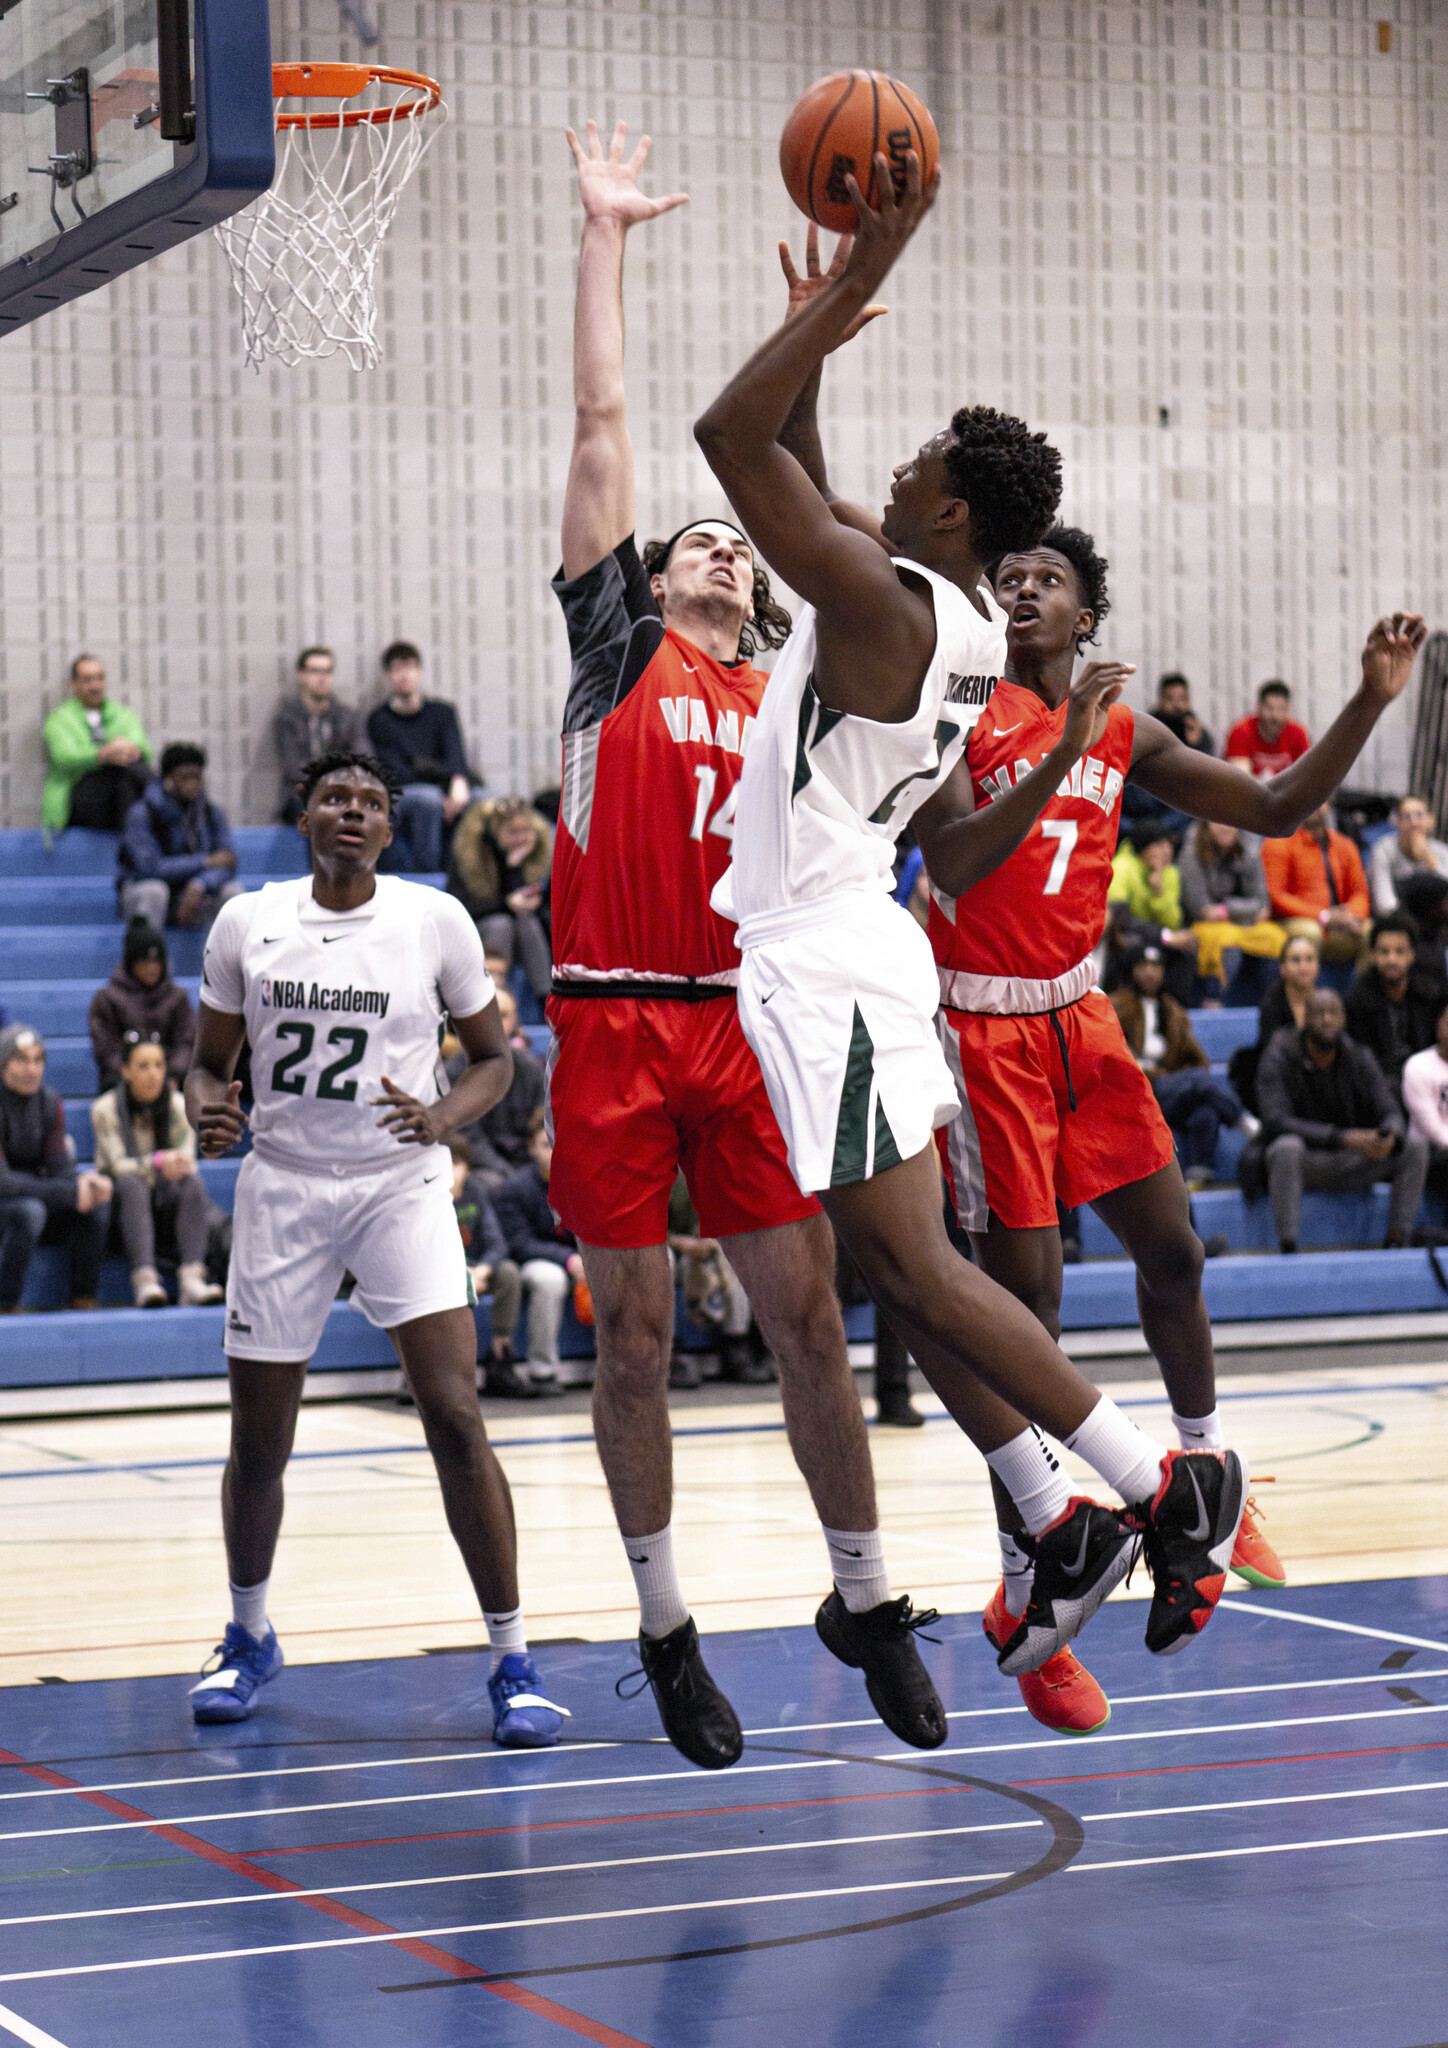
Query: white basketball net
x=304, y=256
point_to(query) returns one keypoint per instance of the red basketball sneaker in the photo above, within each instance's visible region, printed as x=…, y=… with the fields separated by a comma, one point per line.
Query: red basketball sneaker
x=1062, y=1694
x=1189, y=1533
x=1253, y=1557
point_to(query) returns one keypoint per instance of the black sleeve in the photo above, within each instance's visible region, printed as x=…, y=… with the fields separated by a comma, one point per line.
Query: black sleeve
x=614, y=631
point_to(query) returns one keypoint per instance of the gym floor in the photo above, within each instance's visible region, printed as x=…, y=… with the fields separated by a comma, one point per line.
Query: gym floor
x=1265, y=1817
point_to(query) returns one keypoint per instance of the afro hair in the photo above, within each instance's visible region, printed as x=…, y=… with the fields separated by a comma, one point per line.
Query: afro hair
x=1080, y=551
x=1009, y=477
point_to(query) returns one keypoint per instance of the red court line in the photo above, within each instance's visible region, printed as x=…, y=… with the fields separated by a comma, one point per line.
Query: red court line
x=361, y=1923
x=1251, y=1763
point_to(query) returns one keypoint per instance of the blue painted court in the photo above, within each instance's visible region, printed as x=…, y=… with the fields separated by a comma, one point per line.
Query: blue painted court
x=359, y=1866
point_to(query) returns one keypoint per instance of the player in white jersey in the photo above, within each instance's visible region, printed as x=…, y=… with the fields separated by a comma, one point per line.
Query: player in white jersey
x=340, y=982
x=863, y=720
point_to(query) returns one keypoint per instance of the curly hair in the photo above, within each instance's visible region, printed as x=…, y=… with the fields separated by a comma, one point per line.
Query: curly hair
x=1009, y=477
x=342, y=758
x=1080, y=551
x=771, y=623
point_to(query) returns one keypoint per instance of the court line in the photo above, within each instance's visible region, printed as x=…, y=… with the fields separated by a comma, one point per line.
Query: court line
x=24, y=2031
x=1239, y=1763
x=1347, y=1628
x=736, y=1771
x=431, y=1934
x=1273, y=1799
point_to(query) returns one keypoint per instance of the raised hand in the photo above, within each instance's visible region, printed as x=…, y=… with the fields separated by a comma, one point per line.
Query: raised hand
x=609, y=187
x=815, y=281
x=881, y=234
x=1091, y=696
x=1392, y=648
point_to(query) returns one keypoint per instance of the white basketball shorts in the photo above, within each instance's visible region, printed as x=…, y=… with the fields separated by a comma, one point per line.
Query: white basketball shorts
x=838, y=1002
x=295, y=1234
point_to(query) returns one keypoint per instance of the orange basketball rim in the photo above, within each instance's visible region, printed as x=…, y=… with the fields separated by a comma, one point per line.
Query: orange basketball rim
x=340, y=81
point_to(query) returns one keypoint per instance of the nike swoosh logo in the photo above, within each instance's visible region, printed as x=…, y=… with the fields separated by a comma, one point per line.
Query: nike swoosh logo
x=332, y=940
x=274, y=942
x=764, y=1002
x=1204, y=1526
x=691, y=668
x=1002, y=730
x=428, y=1179
x=1074, y=1571
x=852, y=1553
x=638, y=1560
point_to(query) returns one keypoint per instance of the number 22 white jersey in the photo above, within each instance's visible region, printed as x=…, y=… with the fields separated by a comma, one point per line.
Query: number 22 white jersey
x=333, y=1000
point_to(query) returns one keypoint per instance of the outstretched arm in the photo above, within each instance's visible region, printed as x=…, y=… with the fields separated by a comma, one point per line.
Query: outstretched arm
x=1207, y=788
x=800, y=433
x=598, y=504
x=961, y=844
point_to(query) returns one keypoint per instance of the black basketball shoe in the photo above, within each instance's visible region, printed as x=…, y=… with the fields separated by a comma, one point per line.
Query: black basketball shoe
x=881, y=1643
x=697, y=1718
x=1080, y=1558
x=1189, y=1528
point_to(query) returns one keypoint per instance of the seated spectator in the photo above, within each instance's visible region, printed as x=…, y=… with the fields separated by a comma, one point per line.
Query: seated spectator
x=1284, y=1007
x=498, y=1142
x=141, y=997
x=502, y=852
x=417, y=737
x=1407, y=851
x=147, y=1150
x=714, y=1299
x=1392, y=1007
x=544, y=1252
x=176, y=863
x=97, y=753
x=1195, y=1103
x=1174, y=708
x=1330, y=1121
x=1316, y=882
x=1224, y=899
x=1145, y=899
x=311, y=722
x=1424, y=898
x=492, y=1273
x=1425, y=1098
x=43, y=1200
x=1271, y=741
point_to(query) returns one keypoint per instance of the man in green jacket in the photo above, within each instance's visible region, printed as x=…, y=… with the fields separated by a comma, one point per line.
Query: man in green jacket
x=98, y=755
x=1145, y=899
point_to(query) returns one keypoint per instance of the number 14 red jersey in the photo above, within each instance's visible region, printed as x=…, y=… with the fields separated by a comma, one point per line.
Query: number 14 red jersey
x=1020, y=942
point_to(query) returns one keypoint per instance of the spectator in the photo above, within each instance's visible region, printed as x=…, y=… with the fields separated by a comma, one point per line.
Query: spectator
x=1408, y=851
x=1316, y=882
x=492, y=1273
x=1174, y=709
x=147, y=1150
x=417, y=737
x=1195, y=1103
x=141, y=997
x=498, y=1143
x=43, y=1200
x=1145, y=896
x=98, y=755
x=1330, y=1121
x=1392, y=1008
x=1224, y=900
x=545, y=1253
x=714, y=1299
x=1271, y=741
x=309, y=723
x=1425, y=899
x=1284, y=1007
x=177, y=865
x=1425, y=1097
x=501, y=855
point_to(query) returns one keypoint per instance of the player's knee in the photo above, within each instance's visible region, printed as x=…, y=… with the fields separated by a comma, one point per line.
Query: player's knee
x=1172, y=1268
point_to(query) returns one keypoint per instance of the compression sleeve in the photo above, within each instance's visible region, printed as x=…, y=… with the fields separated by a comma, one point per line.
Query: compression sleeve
x=614, y=630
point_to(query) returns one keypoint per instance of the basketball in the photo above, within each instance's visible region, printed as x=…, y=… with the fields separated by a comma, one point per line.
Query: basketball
x=839, y=126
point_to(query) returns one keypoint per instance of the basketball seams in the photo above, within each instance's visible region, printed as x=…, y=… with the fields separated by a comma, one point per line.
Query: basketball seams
x=822, y=137
x=870, y=194
x=831, y=126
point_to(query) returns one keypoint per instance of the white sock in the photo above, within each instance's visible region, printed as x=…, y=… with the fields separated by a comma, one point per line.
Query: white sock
x=857, y=1559
x=1199, y=1432
x=1125, y=1456
x=1018, y=1571
x=662, y=1606
x=507, y=1634
x=1033, y=1478
x=248, y=1608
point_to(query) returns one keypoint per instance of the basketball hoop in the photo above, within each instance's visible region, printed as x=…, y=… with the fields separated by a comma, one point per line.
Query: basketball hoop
x=304, y=256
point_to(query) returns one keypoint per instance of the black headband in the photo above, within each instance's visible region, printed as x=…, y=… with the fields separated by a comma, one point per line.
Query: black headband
x=696, y=525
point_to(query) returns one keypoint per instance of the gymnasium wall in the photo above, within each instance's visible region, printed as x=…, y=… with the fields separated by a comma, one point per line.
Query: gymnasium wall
x=1197, y=240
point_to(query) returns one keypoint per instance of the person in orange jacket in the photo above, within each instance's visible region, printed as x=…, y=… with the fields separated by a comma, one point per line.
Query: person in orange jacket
x=1318, y=887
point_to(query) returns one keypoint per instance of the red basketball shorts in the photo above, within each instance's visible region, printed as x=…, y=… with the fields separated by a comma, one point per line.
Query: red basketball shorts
x=637, y=1089
x=1018, y=1146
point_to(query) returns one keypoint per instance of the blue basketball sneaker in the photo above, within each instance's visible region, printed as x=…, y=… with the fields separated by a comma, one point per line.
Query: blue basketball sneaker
x=522, y=1718
x=228, y=1691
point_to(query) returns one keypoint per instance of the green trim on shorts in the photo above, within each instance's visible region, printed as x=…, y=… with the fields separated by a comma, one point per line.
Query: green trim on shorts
x=852, y=1128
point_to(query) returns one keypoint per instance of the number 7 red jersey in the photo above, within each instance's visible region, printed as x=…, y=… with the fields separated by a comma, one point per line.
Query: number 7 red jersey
x=1020, y=942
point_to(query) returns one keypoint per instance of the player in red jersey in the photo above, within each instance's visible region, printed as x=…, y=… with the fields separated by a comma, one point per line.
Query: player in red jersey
x=650, y=1069
x=1053, y=1104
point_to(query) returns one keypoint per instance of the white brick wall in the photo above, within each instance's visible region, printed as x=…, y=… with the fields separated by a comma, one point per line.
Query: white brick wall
x=1223, y=208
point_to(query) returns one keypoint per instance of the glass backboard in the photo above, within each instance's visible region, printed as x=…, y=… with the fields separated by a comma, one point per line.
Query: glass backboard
x=125, y=126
